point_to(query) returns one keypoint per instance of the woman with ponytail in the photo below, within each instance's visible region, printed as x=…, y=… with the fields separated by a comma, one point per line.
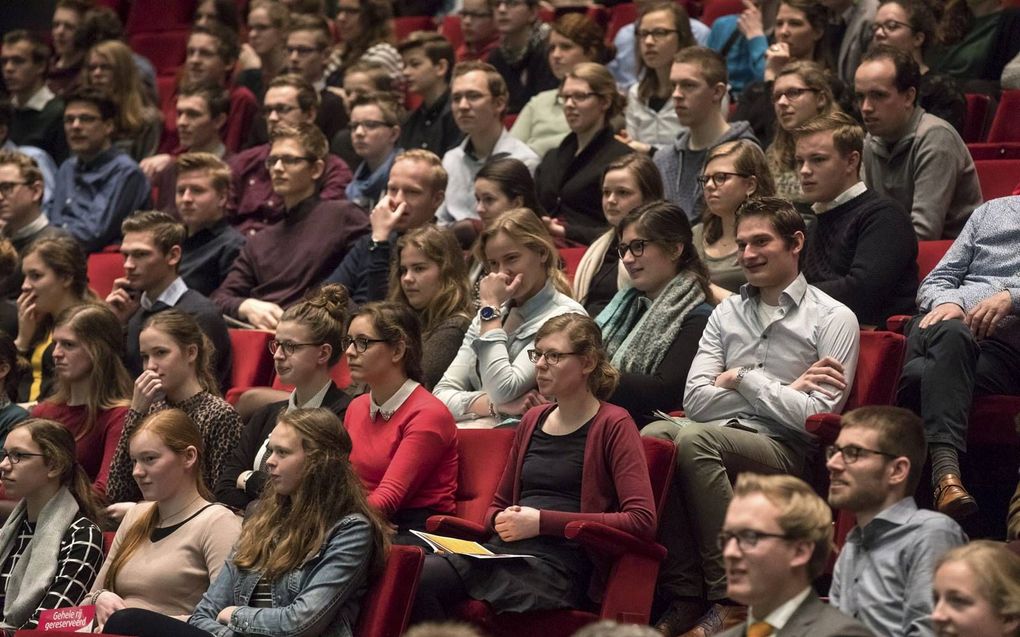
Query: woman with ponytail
x=305, y=555
x=169, y=548
x=55, y=517
x=306, y=348
x=575, y=459
x=177, y=358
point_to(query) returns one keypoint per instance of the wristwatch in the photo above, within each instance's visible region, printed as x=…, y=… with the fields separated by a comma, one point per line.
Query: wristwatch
x=741, y=373
x=489, y=313
x=375, y=245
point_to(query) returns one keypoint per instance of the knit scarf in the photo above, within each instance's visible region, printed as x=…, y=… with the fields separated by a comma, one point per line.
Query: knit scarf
x=638, y=332
x=35, y=569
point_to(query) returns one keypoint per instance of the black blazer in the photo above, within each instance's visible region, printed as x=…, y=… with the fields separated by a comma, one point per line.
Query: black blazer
x=569, y=183
x=253, y=435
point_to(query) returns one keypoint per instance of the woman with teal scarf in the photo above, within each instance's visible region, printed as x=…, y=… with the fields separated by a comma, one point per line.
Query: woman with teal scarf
x=652, y=329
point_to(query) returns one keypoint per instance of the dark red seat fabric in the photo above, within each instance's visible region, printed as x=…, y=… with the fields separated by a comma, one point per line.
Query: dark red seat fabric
x=386, y=607
x=482, y=455
x=571, y=259
x=998, y=177
x=620, y=16
x=1000, y=150
x=252, y=363
x=405, y=26
x=146, y=16
x=718, y=8
x=1006, y=124
x=450, y=29
x=103, y=268
x=978, y=118
x=165, y=49
x=929, y=253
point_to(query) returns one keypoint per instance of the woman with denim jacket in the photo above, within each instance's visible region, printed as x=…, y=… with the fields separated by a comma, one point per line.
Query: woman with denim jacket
x=305, y=555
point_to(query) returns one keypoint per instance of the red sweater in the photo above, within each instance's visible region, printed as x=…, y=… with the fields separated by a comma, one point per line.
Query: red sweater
x=615, y=487
x=96, y=448
x=408, y=461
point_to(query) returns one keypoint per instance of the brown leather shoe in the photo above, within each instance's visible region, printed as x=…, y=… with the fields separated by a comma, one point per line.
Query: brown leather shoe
x=680, y=616
x=718, y=618
x=952, y=498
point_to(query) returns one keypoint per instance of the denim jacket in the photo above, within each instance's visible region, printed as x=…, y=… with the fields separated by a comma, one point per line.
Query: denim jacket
x=320, y=597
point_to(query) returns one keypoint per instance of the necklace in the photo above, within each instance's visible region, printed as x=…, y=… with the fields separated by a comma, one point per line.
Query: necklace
x=163, y=520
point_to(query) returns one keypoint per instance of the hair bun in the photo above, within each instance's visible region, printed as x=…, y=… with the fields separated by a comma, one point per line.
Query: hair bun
x=333, y=298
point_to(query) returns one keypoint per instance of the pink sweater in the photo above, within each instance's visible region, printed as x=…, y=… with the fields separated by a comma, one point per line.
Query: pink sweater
x=409, y=461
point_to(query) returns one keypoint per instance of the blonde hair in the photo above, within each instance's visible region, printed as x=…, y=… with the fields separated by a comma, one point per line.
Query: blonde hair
x=803, y=515
x=524, y=227
x=601, y=82
x=125, y=88
x=780, y=152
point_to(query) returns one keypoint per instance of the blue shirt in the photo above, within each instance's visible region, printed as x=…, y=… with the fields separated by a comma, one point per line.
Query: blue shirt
x=367, y=187
x=91, y=199
x=884, y=572
x=745, y=61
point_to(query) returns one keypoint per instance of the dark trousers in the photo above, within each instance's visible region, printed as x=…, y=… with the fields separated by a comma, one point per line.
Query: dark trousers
x=945, y=368
x=440, y=589
x=147, y=623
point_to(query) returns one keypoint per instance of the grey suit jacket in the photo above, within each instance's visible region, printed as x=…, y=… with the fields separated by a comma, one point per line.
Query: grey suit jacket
x=813, y=618
x=856, y=39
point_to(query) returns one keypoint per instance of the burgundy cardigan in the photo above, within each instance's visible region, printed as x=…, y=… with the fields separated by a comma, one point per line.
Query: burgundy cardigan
x=615, y=487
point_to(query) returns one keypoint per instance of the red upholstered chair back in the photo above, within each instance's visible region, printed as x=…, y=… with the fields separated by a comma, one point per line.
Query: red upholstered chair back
x=103, y=269
x=978, y=115
x=386, y=607
x=482, y=457
x=929, y=253
x=406, y=25
x=571, y=259
x=878, y=369
x=1002, y=150
x=620, y=16
x=998, y=177
x=451, y=30
x=718, y=8
x=1006, y=125
x=661, y=457
x=165, y=49
x=253, y=366
x=159, y=15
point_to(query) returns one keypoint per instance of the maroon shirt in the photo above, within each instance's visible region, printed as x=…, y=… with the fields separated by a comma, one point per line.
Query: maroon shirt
x=253, y=203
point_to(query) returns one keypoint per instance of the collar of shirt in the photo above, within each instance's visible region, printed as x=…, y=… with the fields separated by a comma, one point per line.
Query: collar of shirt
x=31, y=228
x=388, y=408
x=170, y=296
x=793, y=294
x=91, y=169
x=320, y=84
x=434, y=111
x=780, y=616
x=850, y=193
x=469, y=148
x=896, y=515
x=313, y=402
x=207, y=233
x=39, y=99
x=542, y=299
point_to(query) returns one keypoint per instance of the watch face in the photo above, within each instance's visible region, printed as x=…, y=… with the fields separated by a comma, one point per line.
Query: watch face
x=488, y=313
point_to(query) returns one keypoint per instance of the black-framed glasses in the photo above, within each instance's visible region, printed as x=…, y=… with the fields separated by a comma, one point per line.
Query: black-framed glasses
x=280, y=109
x=635, y=247
x=84, y=118
x=746, y=539
x=657, y=34
x=368, y=124
x=17, y=456
x=791, y=94
x=7, y=188
x=360, y=343
x=719, y=178
x=288, y=347
x=890, y=26
x=551, y=357
x=288, y=161
x=853, y=453
x=576, y=98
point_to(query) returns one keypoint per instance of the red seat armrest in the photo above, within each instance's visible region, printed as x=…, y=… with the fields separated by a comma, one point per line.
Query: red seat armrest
x=456, y=527
x=609, y=542
x=826, y=426
x=897, y=323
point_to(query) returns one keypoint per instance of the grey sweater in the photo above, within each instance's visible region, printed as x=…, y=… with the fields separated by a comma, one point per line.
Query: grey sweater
x=680, y=167
x=929, y=172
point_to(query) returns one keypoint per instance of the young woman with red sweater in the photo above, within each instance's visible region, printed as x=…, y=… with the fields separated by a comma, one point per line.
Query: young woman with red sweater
x=405, y=439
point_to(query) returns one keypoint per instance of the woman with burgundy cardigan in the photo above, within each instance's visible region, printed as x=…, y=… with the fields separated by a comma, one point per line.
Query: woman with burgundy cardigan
x=577, y=458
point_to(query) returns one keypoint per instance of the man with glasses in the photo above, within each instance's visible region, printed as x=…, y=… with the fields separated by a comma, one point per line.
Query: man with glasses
x=479, y=98
x=289, y=100
x=21, y=211
x=775, y=541
x=849, y=32
x=307, y=49
x=99, y=185
x=883, y=575
x=771, y=356
x=478, y=26
x=699, y=80
x=912, y=156
x=522, y=58
x=862, y=250
x=279, y=264
x=151, y=283
x=37, y=111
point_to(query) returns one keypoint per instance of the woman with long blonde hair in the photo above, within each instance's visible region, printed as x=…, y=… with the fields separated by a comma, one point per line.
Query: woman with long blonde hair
x=92, y=386
x=491, y=376
x=171, y=547
x=110, y=67
x=305, y=555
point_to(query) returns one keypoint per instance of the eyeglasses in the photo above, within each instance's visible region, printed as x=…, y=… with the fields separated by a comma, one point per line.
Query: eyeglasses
x=7, y=188
x=791, y=94
x=477, y=15
x=853, y=453
x=552, y=358
x=747, y=539
x=288, y=347
x=84, y=118
x=890, y=26
x=302, y=50
x=369, y=124
x=17, y=456
x=288, y=160
x=719, y=178
x=360, y=343
x=657, y=34
x=473, y=97
x=576, y=98
x=636, y=247
x=280, y=109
